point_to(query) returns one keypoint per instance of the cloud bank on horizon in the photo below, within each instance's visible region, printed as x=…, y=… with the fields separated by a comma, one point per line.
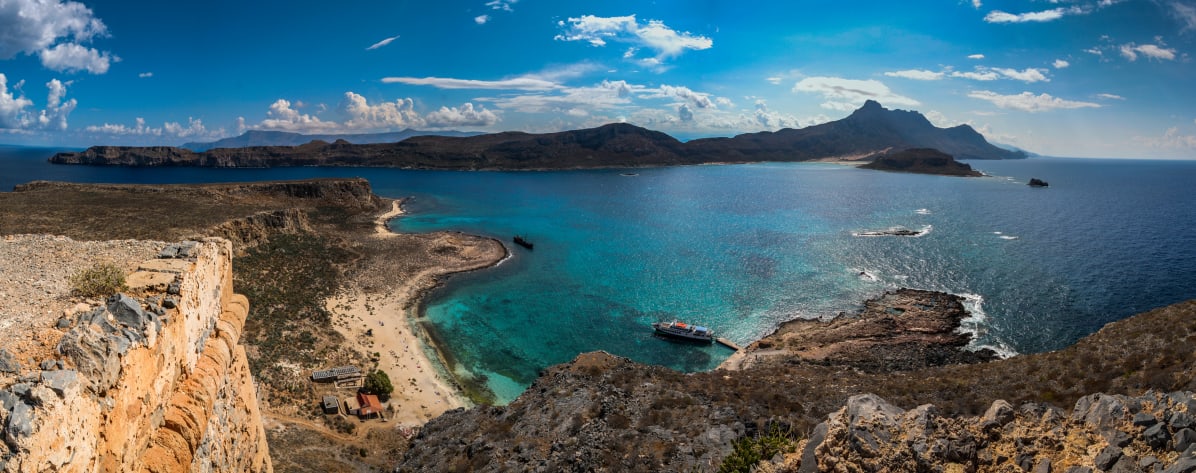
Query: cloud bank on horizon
x=1107, y=78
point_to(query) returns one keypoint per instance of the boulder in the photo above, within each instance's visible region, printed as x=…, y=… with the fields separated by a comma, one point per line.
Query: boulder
x=8, y=362
x=1099, y=410
x=61, y=380
x=1157, y=436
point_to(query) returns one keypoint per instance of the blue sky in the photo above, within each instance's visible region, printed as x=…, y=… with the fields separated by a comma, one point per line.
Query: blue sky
x=1101, y=78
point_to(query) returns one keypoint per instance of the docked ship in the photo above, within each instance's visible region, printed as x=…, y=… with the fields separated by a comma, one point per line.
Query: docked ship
x=519, y=240
x=683, y=331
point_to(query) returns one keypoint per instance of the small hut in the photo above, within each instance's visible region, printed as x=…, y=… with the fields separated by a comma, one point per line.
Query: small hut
x=331, y=405
x=370, y=406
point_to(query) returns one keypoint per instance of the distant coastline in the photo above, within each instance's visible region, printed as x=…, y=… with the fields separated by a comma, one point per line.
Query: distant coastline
x=870, y=131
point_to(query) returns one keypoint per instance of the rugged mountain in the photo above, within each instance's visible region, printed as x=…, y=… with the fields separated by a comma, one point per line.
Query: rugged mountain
x=282, y=138
x=922, y=161
x=867, y=132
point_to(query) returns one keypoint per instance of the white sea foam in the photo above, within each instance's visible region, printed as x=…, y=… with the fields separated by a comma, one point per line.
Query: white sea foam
x=1008, y=237
x=996, y=233
x=866, y=275
x=976, y=325
x=922, y=211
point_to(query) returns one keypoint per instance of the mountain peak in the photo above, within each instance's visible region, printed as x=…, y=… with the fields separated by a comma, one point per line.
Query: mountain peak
x=871, y=105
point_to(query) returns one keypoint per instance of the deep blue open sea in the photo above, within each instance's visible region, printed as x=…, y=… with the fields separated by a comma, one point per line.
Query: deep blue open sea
x=742, y=248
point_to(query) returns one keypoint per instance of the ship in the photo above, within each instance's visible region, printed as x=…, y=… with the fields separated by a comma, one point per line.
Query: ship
x=524, y=243
x=683, y=331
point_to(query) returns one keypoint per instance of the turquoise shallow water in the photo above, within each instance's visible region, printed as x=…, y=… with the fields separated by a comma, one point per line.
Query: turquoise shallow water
x=743, y=248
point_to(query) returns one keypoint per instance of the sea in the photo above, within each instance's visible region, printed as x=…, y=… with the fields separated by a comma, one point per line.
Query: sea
x=743, y=248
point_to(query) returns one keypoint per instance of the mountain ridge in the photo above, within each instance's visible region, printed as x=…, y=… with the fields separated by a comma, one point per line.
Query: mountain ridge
x=868, y=132
x=253, y=138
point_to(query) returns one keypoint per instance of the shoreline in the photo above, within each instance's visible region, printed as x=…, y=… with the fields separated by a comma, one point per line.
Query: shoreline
x=382, y=323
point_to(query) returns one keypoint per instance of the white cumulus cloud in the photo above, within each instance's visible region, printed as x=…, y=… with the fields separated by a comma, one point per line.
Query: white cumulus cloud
x=1028, y=102
x=504, y=5
x=849, y=94
x=1131, y=51
x=12, y=106
x=1172, y=139
x=481, y=19
x=71, y=57
x=382, y=43
x=144, y=75
x=464, y=116
x=1110, y=96
x=1060, y=64
x=654, y=35
x=15, y=112
x=998, y=16
x=53, y=30
x=1028, y=75
x=193, y=129
x=975, y=56
x=917, y=74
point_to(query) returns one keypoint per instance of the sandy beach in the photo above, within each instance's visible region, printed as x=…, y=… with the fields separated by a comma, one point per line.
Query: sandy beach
x=377, y=321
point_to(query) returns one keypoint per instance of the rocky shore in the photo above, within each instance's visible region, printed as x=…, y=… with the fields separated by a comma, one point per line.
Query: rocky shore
x=898, y=331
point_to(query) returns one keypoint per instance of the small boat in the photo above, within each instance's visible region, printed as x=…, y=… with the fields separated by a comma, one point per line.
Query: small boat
x=683, y=331
x=524, y=243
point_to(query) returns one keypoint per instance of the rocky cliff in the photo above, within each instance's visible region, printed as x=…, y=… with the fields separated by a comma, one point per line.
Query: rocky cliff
x=151, y=379
x=869, y=131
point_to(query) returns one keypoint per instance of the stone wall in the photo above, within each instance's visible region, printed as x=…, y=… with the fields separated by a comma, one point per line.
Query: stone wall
x=152, y=379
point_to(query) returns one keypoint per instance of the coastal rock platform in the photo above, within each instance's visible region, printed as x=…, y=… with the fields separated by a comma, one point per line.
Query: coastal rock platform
x=900, y=330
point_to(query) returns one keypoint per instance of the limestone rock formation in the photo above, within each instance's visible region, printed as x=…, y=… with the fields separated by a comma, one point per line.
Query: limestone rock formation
x=152, y=379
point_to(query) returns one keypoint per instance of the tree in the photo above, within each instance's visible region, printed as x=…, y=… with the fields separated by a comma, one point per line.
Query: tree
x=378, y=383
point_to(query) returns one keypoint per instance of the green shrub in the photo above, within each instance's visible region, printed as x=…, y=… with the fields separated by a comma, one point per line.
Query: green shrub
x=378, y=383
x=101, y=280
x=749, y=451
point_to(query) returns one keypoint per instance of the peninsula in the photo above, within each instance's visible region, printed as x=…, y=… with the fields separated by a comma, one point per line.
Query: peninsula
x=870, y=131
x=922, y=161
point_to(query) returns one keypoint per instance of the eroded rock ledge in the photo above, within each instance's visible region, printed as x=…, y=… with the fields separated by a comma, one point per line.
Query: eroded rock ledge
x=898, y=331
x=152, y=379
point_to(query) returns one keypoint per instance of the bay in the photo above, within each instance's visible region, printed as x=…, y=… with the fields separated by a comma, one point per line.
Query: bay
x=742, y=248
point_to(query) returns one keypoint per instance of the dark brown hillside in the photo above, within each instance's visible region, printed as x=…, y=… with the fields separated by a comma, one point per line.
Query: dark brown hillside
x=922, y=161
x=869, y=131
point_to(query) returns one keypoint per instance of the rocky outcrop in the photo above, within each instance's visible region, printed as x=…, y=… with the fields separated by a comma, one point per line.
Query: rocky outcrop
x=255, y=229
x=1036, y=182
x=871, y=130
x=153, y=379
x=1149, y=433
x=922, y=161
x=900, y=330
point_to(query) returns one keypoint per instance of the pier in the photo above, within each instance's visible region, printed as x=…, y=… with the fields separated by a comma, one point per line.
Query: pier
x=727, y=343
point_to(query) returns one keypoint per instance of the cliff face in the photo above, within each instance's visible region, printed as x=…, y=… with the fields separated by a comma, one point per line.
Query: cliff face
x=152, y=379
